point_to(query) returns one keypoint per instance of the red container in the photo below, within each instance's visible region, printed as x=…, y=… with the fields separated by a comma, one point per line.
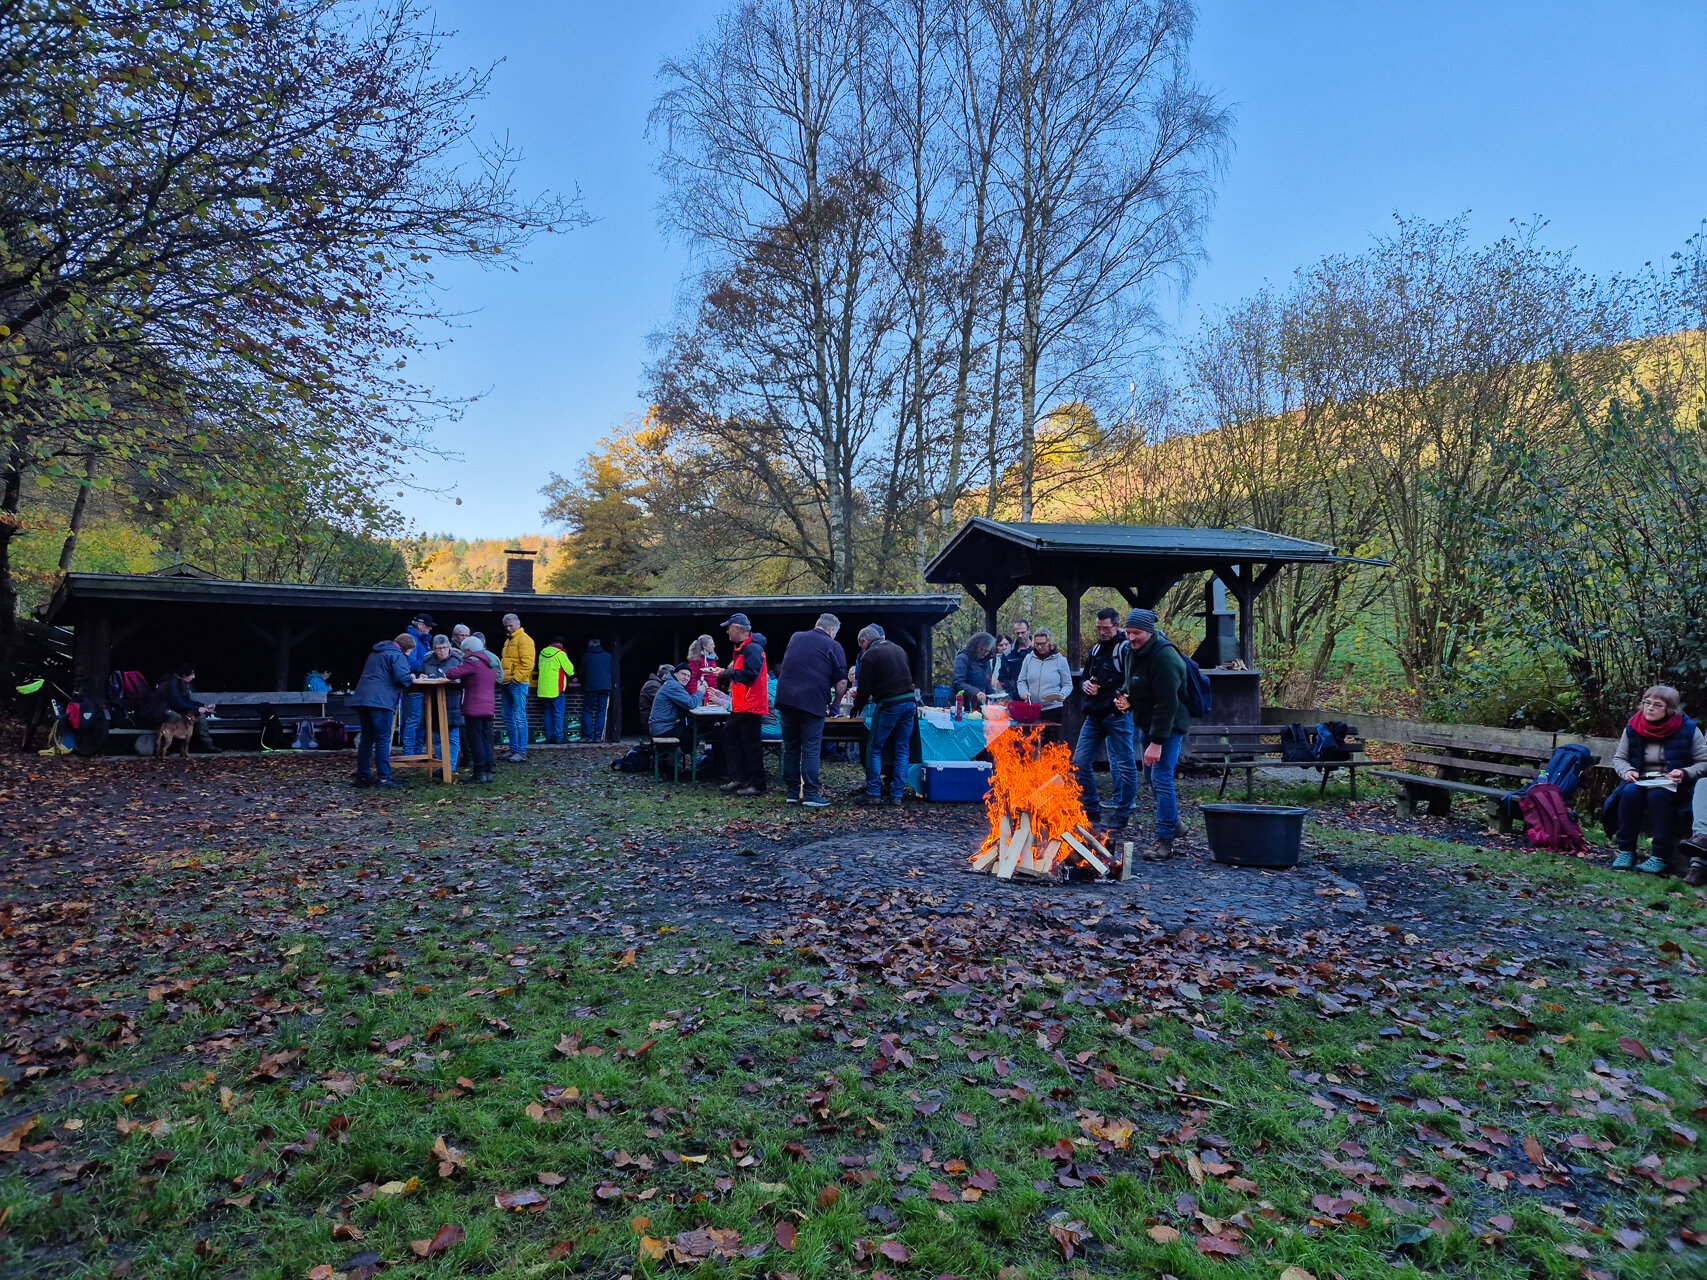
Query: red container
x=1024, y=712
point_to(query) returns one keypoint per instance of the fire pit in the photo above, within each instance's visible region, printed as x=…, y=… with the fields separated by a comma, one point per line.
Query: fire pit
x=1038, y=824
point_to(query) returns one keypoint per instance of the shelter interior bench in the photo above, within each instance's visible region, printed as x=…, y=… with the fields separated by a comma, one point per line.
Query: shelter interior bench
x=1458, y=760
x=1257, y=746
x=239, y=714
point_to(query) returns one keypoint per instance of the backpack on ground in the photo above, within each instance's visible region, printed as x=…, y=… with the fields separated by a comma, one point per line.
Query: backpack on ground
x=331, y=735
x=305, y=739
x=1329, y=744
x=1297, y=743
x=1547, y=821
x=1564, y=770
x=637, y=759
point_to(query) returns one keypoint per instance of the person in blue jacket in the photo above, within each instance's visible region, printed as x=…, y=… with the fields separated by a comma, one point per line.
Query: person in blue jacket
x=385, y=676
x=420, y=635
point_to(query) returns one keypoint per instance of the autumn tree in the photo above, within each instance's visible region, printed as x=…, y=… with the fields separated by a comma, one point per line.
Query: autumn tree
x=223, y=210
x=607, y=549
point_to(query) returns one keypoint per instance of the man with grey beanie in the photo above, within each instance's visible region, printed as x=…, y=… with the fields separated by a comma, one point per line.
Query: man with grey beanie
x=1153, y=689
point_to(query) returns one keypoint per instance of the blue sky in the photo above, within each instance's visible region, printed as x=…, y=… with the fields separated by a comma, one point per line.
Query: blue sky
x=1587, y=114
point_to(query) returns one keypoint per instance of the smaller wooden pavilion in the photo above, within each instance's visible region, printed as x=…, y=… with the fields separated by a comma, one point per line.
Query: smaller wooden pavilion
x=992, y=559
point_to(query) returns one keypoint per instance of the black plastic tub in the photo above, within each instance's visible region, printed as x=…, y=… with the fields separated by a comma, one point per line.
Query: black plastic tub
x=1254, y=835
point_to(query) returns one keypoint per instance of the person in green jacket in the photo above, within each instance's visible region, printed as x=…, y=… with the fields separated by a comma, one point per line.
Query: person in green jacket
x=1153, y=692
x=554, y=672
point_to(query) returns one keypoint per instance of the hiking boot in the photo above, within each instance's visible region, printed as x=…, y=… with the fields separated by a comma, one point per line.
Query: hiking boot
x=1652, y=866
x=1694, y=846
x=894, y=802
x=1623, y=860
x=1696, y=876
x=392, y=785
x=730, y=786
x=870, y=801
x=750, y=791
x=1160, y=851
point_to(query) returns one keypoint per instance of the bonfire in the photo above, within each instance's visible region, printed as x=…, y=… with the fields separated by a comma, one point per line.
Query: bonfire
x=1038, y=824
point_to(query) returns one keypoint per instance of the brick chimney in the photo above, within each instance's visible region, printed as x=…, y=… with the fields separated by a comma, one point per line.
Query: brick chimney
x=518, y=570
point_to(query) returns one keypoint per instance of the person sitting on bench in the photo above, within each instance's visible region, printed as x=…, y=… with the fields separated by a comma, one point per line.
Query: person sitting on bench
x=669, y=718
x=1660, y=742
x=172, y=701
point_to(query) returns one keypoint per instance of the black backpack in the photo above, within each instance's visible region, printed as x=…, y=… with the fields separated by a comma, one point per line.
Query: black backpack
x=1297, y=743
x=637, y=759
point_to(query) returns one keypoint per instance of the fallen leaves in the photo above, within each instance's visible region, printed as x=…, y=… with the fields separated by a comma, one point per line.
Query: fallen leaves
x=527, y=1200
x=446, y=1237
x=451, y=1161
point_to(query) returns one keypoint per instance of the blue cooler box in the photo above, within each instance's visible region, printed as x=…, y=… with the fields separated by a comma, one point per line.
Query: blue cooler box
x=957, y=781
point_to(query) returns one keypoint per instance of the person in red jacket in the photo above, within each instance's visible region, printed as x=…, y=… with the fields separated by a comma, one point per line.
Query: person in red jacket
x=749, y=704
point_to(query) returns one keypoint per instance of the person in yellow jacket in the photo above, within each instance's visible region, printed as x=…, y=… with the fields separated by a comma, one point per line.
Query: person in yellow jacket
x=554, y=672
x=518, y=676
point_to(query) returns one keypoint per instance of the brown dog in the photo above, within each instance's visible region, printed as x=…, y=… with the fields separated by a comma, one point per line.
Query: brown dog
x=180, y=731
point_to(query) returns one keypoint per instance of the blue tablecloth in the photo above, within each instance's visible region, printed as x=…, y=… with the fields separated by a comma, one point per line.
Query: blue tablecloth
x=941, y=739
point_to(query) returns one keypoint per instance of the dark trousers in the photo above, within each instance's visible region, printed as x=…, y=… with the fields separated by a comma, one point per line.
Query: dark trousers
x=746, y=759
x=478, y=734
x=373, y=743
x=1658, y=807
x=1054, y=722
x=802, y=752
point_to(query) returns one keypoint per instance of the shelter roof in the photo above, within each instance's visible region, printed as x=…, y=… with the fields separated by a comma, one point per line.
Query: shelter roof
x=80, y=590
x=1159, y=549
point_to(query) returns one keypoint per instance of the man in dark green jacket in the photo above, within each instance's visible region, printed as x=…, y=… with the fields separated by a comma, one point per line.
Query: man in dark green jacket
x=1154, y=692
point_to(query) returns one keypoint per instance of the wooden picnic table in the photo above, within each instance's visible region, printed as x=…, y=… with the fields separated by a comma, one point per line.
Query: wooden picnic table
x=436, y=709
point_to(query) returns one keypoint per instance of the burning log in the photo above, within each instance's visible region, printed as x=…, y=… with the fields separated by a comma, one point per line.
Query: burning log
x=1038, y=824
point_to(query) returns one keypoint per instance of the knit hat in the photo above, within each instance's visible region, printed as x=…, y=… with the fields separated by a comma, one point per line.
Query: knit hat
x=1143, y=620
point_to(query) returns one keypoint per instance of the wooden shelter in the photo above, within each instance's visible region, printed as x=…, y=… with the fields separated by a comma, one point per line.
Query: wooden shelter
x=992, y=559
x=266, y=636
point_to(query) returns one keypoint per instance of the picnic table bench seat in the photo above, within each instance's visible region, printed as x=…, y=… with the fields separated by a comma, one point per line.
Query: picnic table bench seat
x=238, y=714
x=1258, y=746
x=1456, y=761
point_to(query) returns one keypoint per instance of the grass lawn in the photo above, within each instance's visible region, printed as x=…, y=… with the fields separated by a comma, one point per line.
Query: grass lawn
x=324, y=1034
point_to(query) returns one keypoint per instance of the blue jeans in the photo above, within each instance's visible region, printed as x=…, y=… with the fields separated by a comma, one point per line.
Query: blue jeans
x=551, y=718
x=1160, y=776
x=802, y=752
x=455, y=745
x=593, y=704
x=516, y=716
x=412, y=723
x=1115, y=728
x=373, y=744
x=891, y=725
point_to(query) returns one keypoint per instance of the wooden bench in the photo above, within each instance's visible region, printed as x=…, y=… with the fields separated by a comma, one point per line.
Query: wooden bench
x=239, y=714
x=1257, y=746
x=1457, y=760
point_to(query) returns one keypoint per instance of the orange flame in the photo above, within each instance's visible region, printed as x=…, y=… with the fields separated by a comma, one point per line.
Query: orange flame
x=1037, y=778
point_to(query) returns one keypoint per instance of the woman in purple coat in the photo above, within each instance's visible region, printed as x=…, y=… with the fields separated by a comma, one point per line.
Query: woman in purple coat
x=479, y=679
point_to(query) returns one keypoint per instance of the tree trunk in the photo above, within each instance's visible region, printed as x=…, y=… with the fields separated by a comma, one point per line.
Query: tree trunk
x=77, y=509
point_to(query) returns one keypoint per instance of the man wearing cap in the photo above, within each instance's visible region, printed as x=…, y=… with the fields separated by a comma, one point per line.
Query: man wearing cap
x=749, y=704
x=669, y=718
x=421, y=628
x=1153, y=690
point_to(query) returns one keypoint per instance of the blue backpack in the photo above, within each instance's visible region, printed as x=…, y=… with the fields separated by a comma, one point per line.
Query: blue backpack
x=1565, y=768
x=1199, y=698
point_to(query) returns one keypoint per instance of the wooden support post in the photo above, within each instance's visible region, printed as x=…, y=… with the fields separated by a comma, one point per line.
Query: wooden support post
x=1074, y=591
x=281, y=657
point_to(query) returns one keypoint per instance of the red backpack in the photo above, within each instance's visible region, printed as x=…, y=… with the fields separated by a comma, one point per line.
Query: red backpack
x=1547, y=822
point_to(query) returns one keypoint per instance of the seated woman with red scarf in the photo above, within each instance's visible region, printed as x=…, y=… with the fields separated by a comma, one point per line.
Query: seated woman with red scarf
x=1659, y=742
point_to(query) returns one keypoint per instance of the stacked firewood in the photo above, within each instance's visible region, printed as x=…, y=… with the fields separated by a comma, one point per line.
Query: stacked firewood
x=1038, y=824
